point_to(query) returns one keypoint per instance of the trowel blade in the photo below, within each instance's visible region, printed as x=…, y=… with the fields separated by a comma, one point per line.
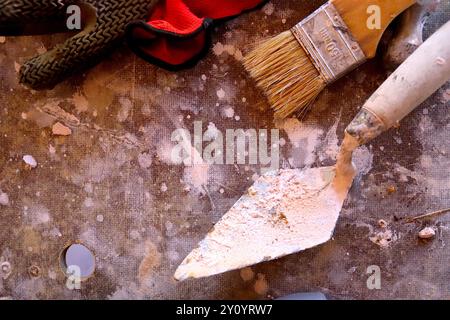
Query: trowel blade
x=284, y=212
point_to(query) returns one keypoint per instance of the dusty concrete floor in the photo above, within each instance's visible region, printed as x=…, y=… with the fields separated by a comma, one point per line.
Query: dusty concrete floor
x=111, y=184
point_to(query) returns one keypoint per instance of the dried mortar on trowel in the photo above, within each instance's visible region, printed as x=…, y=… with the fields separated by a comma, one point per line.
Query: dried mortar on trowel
x=291, y=210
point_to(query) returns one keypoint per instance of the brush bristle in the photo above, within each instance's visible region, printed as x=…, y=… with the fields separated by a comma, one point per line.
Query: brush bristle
x=283, y=70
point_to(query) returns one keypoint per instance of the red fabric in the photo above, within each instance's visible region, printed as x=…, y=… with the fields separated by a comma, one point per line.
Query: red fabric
x=175, y=32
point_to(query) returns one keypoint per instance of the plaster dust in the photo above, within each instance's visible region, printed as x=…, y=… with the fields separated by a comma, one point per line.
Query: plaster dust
x=219, y=49
x=227, y=112
x=446, y=96
x=80, y=102
x=429, y=175
x=305, y=138
x=269, y=9
x=211, y=133
x=197, y=176
x=221, y=94
x=150, y=262
x=4, y=199
x=125, y=108
x=384, y=238
x=330, y=145
x=145, y=160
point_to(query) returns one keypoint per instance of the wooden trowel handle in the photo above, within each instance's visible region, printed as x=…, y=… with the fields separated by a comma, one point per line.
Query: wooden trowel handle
x=423, y=73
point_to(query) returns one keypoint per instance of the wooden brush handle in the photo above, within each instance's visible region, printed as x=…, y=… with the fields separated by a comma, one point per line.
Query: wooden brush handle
x=423, y=73
x=355, y=14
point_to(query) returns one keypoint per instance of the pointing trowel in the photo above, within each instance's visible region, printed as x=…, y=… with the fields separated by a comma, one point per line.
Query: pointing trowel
x=292, y=210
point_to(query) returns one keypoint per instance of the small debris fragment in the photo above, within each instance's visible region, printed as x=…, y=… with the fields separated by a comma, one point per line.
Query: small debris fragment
x=5, y=269
x=399, y=140
x=352, y=270
x=52, y=274
x=34, y=271
x=145, y=160
x=80, y=102
x=126, y=107
x=163, y=187
x=446, y=96
x=134, y=234
x=383, y=239
x=100, y=218
x=16, y=67
x=391, y=189
x=427, y=233
x=88, y=202
x=51, y=149
x=221, y=93
x=227, y=112
x=88, y=187
x=4, y=199
x=247, y=274
x=269, y=9
x=251, y=191
x=30, y=161
x=59, y=129
x=382, y=223
x=261, y=287
x=218, y=48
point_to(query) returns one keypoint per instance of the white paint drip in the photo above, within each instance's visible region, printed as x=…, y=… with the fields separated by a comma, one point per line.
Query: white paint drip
x=30, y=160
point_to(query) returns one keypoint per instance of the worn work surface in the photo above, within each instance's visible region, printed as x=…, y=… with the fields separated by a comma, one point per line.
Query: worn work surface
x=111, y=184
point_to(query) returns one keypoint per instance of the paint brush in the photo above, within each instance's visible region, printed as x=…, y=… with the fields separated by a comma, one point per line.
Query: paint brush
x=292, y=210
x=295, y=66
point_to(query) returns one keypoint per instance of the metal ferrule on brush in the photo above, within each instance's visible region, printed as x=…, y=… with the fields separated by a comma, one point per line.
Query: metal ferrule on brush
x=329, y=43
